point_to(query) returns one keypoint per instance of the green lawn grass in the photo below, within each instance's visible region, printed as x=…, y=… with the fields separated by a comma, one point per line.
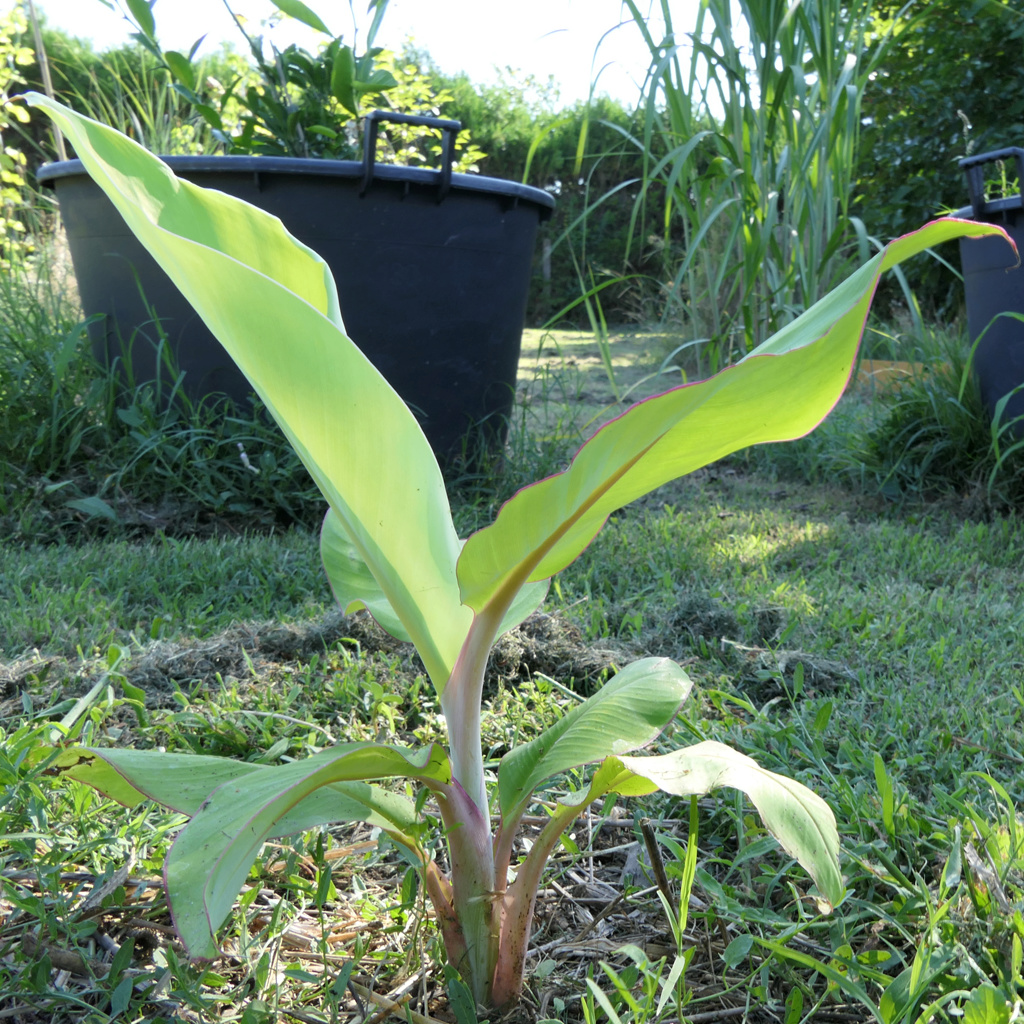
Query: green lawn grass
x=870, y=648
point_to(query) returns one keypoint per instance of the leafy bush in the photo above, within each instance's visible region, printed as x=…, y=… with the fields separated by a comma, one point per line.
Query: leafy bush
x=14, y=59
x=950, y=83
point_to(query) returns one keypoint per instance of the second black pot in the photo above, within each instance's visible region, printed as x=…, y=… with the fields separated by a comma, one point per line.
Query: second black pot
x=994, y=284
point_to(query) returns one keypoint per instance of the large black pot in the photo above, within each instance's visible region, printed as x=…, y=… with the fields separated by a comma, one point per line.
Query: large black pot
x=432, y=270
x=994, y=284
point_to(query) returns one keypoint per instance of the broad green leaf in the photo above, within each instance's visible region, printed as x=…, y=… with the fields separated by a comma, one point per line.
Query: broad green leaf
x=298, y=10
x=354, y=587
x=780, y=391
x=629, y=711
x=272, y=303
x=987, y=1005
x=211, y=857
x=141, y=11
x=343, y=77
x=797, y=817
x=376, y=81
x=181, y=68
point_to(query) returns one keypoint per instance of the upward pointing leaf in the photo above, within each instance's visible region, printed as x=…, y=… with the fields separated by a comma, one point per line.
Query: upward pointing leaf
x=343, y=79
x=181, y=67
x=141, y=11
x=283, y=327
x=779, y=392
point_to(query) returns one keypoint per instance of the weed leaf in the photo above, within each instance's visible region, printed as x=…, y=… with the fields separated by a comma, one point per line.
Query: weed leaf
x=798, y=818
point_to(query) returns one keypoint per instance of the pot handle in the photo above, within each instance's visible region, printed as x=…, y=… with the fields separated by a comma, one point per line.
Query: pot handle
x=449, y=128
x=972, y=167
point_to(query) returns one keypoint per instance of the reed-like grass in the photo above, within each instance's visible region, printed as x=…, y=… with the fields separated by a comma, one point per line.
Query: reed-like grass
x=750, y=129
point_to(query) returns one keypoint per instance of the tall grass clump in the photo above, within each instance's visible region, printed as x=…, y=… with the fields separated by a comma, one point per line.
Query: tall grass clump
x=129, y=90
x=86, y=451
x=937, y=436
x=751, y=150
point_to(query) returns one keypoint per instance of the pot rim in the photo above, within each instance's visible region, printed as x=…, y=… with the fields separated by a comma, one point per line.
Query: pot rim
x=992, y=211
x=49, y=173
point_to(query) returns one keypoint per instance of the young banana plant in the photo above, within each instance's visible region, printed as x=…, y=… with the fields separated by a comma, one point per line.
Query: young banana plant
x=389, y=546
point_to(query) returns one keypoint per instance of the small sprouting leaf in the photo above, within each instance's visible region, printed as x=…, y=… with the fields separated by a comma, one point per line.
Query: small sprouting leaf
x=121, y=996
x=952, y=871
x=298, y=10
x=738, y=950
x=181, y=67
x=885, y=791
x=821, y=719
x=794, y=1006
x=460, y=999
x=629, y=711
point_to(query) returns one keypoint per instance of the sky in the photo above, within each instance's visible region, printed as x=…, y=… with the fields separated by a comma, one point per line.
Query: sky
x=572, y=40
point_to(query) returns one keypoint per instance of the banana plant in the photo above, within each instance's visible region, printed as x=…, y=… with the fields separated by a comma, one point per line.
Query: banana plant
x=389, y=546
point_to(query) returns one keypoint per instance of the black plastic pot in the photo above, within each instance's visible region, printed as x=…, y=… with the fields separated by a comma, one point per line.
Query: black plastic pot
x=432, y=269
x=994, y=284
